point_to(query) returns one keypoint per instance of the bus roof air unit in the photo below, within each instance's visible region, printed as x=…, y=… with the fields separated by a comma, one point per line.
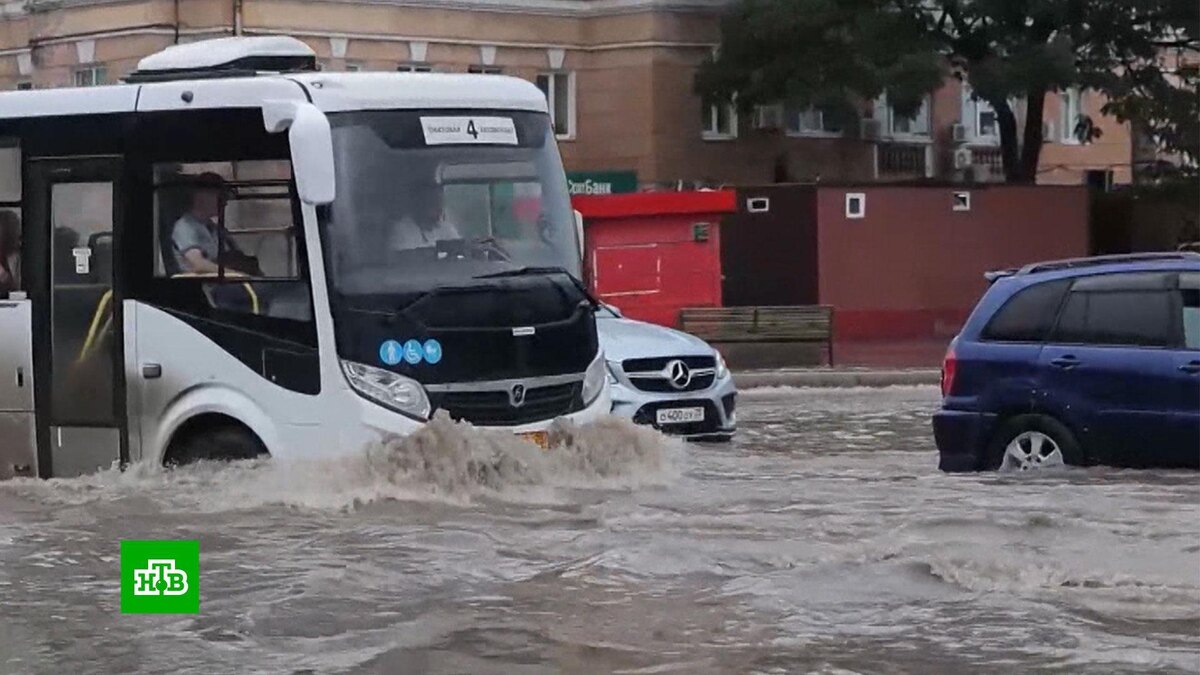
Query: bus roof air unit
x=226, y=57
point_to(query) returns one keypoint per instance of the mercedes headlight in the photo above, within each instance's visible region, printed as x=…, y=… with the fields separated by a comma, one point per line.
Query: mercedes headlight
x=391, y=390
x=612, y=372
x=722, y=369
x=593, y=379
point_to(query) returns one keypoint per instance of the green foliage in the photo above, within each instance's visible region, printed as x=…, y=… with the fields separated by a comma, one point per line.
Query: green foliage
x=782, y=51
x=837, y=54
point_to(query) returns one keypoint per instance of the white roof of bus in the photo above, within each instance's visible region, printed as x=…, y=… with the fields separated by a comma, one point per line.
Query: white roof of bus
x=219, y=51
x=49, y=102
x=332, y=92
x=384, y=91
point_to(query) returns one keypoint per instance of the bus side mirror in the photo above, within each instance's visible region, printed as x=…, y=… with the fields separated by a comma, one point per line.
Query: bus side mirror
x=579, y=235
x=311, y=141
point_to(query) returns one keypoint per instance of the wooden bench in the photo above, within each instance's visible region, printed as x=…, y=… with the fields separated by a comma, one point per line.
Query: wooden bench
x=803, y=323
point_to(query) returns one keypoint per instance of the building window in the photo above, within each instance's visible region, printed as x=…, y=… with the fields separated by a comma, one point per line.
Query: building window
x=1099, y=179
x=916, y=125
x=986, y=125
x=24, y=86
x=414, y=68
x=813, y=121
x=856, y=205
x=719, y=121
x=485, y=70
x=980, y=119
x=559, y=89
x=1072, y=114
x=92, y=76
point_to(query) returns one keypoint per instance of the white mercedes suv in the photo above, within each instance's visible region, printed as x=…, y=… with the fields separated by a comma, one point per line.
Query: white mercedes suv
x=667, y=379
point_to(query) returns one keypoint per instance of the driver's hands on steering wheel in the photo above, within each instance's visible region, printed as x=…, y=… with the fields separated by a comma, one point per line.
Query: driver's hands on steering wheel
x=490, y=244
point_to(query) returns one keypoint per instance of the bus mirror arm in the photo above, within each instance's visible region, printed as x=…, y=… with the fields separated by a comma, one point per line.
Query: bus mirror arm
x=311, y=140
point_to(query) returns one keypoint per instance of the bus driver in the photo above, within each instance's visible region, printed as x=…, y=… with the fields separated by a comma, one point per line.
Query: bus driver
x=195, y=238
x=424, y=222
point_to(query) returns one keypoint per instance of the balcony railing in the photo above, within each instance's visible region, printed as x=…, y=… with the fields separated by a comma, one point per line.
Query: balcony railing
x=902, y=160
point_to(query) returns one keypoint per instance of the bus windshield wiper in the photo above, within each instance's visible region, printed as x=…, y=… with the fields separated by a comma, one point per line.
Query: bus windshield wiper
x=533, y=270
x=528, y=270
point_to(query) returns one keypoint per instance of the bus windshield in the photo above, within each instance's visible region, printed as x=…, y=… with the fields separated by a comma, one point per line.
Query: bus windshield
x=411, y=215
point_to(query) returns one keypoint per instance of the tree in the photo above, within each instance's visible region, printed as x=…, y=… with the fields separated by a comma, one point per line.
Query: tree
x=838, y=54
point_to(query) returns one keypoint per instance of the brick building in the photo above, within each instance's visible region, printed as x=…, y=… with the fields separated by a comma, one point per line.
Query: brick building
x=618, y=74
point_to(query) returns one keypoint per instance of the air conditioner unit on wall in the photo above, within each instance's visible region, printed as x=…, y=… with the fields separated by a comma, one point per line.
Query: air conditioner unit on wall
x=958, y=133
x=963, y=158
x=870, y=129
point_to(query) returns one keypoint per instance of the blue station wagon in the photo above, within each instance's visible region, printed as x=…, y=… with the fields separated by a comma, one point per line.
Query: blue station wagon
x=1087, y=361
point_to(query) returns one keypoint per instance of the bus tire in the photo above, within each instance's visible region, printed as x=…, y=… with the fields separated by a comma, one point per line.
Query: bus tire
x=221, y=442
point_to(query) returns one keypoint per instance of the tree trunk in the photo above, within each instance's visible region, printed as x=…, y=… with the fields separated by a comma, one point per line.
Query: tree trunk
x=1007, y=121
x=1031, y=148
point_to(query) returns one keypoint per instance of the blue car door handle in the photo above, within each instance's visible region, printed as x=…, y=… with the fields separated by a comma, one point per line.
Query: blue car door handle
x=1065, y=362
x=1191, y=367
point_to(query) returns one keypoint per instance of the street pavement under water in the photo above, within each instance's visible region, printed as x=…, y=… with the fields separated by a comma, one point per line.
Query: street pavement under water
x=823, y=540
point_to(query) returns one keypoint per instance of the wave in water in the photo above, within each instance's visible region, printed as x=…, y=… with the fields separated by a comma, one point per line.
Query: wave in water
x=443, y=461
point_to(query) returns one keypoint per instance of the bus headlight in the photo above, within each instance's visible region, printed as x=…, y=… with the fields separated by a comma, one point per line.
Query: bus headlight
x=397, y=392
x=593, y=379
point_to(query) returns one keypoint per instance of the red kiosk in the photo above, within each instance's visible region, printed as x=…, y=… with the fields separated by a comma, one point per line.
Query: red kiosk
x=652, y=253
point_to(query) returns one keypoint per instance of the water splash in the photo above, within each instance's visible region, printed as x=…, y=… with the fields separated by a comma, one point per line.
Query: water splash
x=444, y=461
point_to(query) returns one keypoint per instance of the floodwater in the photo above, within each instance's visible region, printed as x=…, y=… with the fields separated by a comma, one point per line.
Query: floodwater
x=823, y=540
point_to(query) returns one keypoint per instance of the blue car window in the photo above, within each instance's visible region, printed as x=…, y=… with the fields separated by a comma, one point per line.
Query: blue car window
x=1028, y=316
x=1189, y=285
x=1117, y=318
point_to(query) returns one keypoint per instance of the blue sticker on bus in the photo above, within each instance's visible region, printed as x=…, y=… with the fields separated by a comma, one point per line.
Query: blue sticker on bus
x=390, y=352
x=413, y=352
x=433, y=351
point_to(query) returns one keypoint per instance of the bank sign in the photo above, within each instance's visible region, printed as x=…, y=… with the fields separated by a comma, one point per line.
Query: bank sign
x=602, y=182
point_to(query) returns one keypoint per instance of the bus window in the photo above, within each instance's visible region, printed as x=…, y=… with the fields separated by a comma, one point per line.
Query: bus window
x=10, y=251
x=10, y=217
x=81, y=215
x=235, y=221
x=499, y=201
x=467, y=207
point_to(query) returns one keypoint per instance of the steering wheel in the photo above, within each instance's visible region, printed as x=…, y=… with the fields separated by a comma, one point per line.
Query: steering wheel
x=490, y=246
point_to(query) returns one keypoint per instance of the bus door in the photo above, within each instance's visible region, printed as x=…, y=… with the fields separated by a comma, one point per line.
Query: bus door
x=78, y=355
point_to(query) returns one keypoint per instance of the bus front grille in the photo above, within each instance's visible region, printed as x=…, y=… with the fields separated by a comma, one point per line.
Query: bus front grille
x=494, y=408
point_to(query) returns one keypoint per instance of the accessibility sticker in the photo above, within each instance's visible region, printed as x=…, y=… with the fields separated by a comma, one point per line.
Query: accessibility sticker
x=391, y=352
x=413, y=352
x=433, y=351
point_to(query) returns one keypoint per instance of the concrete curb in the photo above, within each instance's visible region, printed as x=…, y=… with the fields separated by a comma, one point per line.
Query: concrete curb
x=818, y=377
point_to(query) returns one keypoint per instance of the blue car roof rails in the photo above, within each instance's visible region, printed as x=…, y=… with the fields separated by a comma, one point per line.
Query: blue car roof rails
x=1074, y=263
x=993, y=275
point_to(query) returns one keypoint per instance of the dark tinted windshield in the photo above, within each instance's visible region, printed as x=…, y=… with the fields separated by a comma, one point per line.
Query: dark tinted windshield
x=430, y=198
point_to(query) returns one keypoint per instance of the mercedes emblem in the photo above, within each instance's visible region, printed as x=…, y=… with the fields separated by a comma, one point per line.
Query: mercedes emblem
x=679, y=374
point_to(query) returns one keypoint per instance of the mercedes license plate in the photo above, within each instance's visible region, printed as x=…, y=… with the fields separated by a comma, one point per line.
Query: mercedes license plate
x=680, y=415
x=538, y=438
